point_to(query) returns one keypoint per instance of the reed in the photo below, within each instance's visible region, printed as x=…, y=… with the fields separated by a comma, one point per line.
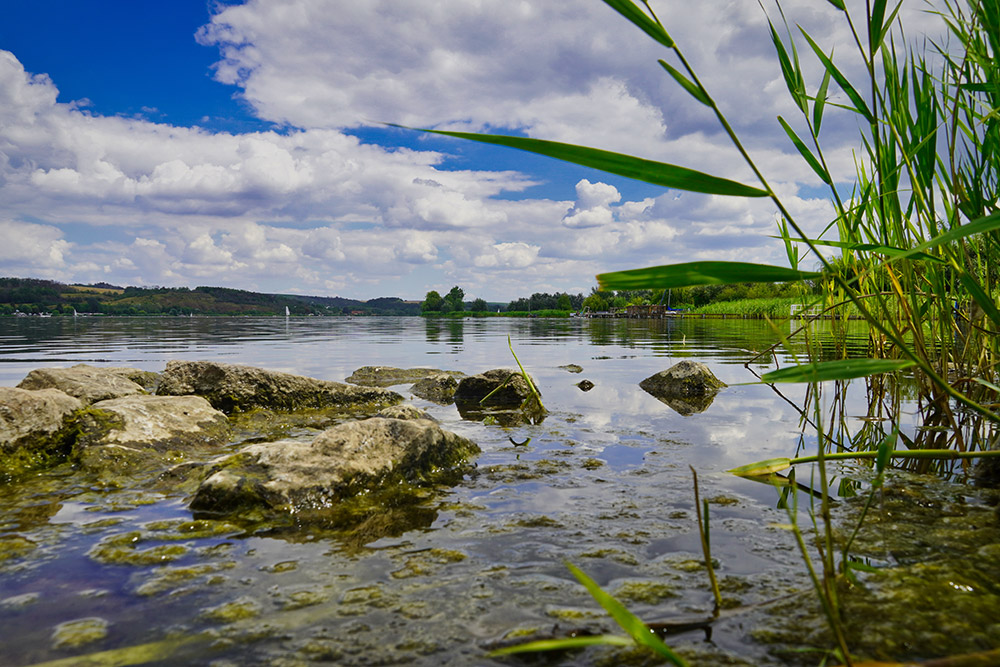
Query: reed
x=914, y=250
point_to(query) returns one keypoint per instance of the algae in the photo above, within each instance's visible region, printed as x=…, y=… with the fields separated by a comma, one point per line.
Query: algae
x=76, y=633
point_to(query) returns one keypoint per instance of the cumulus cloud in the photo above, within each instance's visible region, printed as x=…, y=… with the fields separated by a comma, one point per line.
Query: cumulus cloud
x=310, y=206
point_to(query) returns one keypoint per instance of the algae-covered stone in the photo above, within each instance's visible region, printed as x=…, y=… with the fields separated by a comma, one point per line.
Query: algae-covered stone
x=438, y=388
x=387, y=376
x=509, y=386
x=35, y=428
x=349, y=459
x=88, y=383
x=72, y=634
x=688, y=387
x=123, y=436
x=232, y=387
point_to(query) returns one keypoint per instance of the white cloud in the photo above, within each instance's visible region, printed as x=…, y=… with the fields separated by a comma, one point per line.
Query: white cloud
x=311, y=208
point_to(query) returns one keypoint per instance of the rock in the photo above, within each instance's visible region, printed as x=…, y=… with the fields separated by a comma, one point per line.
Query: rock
x=438, y=388
x=404, y=412
x=230, y=388
x=88, y=383
x=159, y=423
x=572, y=368
x=35, y=428
x=126, y=437
x=585, y=385
x=475, y=388
x=352, y=461
x=688, y=387
x=387, y=376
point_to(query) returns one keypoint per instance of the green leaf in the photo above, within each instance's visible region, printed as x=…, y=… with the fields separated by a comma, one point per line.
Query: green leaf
x=564, y=644
x=630, y=11
x=839, y=4
x=820, y=103
x=875, y=247
x=658, y=173
x=629, y=622
x=842, y=369
x=694, y=89
x=805, y=152
x=791, y=71
x=761, y=468
x=859, y=103
x=699, y=273
x=982, y=225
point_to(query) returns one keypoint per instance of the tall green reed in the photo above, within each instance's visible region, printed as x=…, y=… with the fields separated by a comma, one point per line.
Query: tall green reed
x=918, y=237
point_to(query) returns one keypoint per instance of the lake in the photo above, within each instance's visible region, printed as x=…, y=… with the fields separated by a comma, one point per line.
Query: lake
x=604, y=483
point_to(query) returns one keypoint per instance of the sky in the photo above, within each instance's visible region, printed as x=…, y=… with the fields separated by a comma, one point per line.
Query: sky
x=246, y=145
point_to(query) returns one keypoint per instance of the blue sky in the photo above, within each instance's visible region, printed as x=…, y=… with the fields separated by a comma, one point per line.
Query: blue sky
x=240, y=144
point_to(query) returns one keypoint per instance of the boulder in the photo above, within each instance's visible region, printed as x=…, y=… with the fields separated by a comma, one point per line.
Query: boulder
x=126, y=434
x=387, y=376
x=232, y=388
x=355, y=460
x=438, y=388
x=585, y=385
x=35, y=428
x=688, y=387
x=475, y=388
x=87, y=383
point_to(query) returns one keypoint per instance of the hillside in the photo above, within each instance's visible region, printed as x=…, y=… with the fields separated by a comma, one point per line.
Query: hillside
x=36, y=296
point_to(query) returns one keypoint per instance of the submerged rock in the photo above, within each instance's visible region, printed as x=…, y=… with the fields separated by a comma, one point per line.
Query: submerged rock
x=438, y=388
x=508, y=399
x=35, y=428
x=232, y=388
x=87, y=383
x=349, y=460
x=387, y=376
x=585, y=385
x=688, y=387
x=509, y=385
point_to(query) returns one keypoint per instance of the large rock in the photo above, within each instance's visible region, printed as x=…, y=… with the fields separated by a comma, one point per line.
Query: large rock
x=688, y=387
x=123, y=434
x=387, y=376
x=509, y=385
x=88, y=383
x=231, y=387
x=352, y=460
x=438, y=388
x=35, y=428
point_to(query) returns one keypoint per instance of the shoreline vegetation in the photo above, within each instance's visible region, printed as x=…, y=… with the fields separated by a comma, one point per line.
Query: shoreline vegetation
x=46, y=298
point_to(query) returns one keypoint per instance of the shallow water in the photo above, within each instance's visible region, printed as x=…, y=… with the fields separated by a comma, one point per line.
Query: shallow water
x=604, y=483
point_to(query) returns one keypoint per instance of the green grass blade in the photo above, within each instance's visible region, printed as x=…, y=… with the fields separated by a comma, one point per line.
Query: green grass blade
x=761, y=468
x=839, y=4
x=805, y=152
x=859, y=103
x=699, y=273
x=565, y=644
x=687, y=84
x=638, y=17
x=629, y=622
x=982, y=225
x=658, y=173
x=820, y=103
x=791, y=72
x=889, y=251
x=842, y=369
x=875, y=25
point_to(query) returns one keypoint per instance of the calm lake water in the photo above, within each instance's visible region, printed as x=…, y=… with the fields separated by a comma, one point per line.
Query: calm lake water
x=604, y=483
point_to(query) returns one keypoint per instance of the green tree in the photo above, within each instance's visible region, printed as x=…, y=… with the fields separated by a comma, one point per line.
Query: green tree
x=564, y=302
x=432, y=302
x=479, y=305
x=454, y=298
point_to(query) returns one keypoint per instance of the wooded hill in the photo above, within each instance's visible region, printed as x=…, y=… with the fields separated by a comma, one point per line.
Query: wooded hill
x=36, y=296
